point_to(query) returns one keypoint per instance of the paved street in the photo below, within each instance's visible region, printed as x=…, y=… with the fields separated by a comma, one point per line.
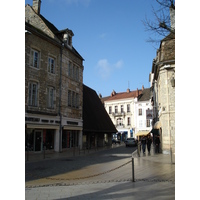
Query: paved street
x=105, y=174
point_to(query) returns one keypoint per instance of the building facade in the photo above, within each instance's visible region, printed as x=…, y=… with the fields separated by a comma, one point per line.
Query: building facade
x=163, y=99
x=128, y=111
x=53, y=85
x=143, y=113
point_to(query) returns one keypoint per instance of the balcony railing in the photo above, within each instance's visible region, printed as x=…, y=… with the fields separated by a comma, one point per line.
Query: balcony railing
x=118, y=114
x=119, y=125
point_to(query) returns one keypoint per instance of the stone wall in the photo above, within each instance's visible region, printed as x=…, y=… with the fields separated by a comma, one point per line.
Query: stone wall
x=166, y=102
x=41, y=75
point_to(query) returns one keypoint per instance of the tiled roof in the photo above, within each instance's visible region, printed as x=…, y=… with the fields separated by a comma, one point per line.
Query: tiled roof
x=122, y=95
x=145, y=95
x=95, y=117
x=55, y=31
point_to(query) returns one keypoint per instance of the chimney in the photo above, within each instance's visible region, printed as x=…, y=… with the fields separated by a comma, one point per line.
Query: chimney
x=142, y=87
x=137, y=92
x=128, y=90
x=113, y=93
x=172, y=16
x=36, y=6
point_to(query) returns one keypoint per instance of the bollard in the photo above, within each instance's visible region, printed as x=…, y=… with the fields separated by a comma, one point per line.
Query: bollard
x=44, y=152
x=138, y=150
x=74, y=151
x=133, y=173
x=27, y=155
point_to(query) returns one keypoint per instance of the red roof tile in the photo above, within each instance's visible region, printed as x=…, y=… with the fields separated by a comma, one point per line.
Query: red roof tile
x=123, y=95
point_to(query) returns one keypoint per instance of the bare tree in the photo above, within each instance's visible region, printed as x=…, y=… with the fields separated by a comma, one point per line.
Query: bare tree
x=164, y=22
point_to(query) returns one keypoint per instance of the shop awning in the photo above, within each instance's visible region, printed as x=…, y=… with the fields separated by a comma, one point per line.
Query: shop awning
x=42, y=126
x=78, y=128
x=140, y=133
x=157, y=125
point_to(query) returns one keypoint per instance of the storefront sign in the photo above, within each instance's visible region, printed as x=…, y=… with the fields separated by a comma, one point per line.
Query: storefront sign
x=72, y=123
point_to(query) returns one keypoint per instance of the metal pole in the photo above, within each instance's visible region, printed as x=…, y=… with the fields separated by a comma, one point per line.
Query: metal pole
x=60, y=95
x=133, y=174
x=138, y=150
x=44, y=151
x=74, y=151
x=27, y=153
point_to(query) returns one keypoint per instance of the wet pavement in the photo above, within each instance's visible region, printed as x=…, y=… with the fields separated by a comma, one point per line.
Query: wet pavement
x=106, y=174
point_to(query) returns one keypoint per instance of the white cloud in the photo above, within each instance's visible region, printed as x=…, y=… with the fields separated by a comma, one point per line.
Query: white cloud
x=103, y=35
x=119, y=64
x=105, y=68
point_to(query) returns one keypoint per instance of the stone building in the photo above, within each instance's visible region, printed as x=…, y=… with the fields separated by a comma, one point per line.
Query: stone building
x=53, y=85
x=143, y=113
x=163, y=99
x=121, y=109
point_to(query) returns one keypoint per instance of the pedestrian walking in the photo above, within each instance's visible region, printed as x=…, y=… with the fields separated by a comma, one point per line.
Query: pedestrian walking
x=143, y=142
x=149, y=141
x=157, y=143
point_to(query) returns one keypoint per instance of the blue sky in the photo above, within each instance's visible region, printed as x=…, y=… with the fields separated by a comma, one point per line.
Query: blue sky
x=110, y=36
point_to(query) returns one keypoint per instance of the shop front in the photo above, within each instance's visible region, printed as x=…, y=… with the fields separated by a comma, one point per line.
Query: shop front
x=71, y=136
x=38, y=137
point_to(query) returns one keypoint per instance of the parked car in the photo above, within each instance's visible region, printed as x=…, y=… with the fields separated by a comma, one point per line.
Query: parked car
x=115, y=141
x=130, y=142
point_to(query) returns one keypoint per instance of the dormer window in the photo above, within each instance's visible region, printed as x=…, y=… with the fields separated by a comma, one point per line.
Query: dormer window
x=66, y=36
x=69, y=41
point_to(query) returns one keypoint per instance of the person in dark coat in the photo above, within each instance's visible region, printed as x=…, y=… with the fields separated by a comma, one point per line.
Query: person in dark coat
x=157, y=143
x=143, y=142
x=149, y=141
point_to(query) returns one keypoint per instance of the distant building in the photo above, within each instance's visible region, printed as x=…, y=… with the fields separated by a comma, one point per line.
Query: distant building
x=127, y=111
x=143, y=113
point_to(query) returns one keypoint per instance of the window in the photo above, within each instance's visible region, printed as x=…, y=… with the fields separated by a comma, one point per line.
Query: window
x=116, y=109
x=51, y=97
x=128, y=108
x=51, y=65
x=77, y=100
x=70, y=69
x=74, y=72
x=140, y=123
x=110, y=109
x=33, y=94
x=148, y=122
x=77, y=73
x=119, y=121
x=129, y=121
x=140, y=111
x=34, y=58
x=69, y=98
x=122, y=108
x=73, y=99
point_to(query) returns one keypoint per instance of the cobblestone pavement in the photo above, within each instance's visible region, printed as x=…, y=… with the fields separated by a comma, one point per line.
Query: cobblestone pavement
x=102, y=175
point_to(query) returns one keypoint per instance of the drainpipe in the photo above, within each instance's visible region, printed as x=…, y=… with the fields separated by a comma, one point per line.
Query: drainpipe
x=60, y=86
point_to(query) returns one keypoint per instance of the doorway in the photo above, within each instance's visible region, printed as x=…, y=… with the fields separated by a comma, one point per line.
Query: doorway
x=38, y=140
